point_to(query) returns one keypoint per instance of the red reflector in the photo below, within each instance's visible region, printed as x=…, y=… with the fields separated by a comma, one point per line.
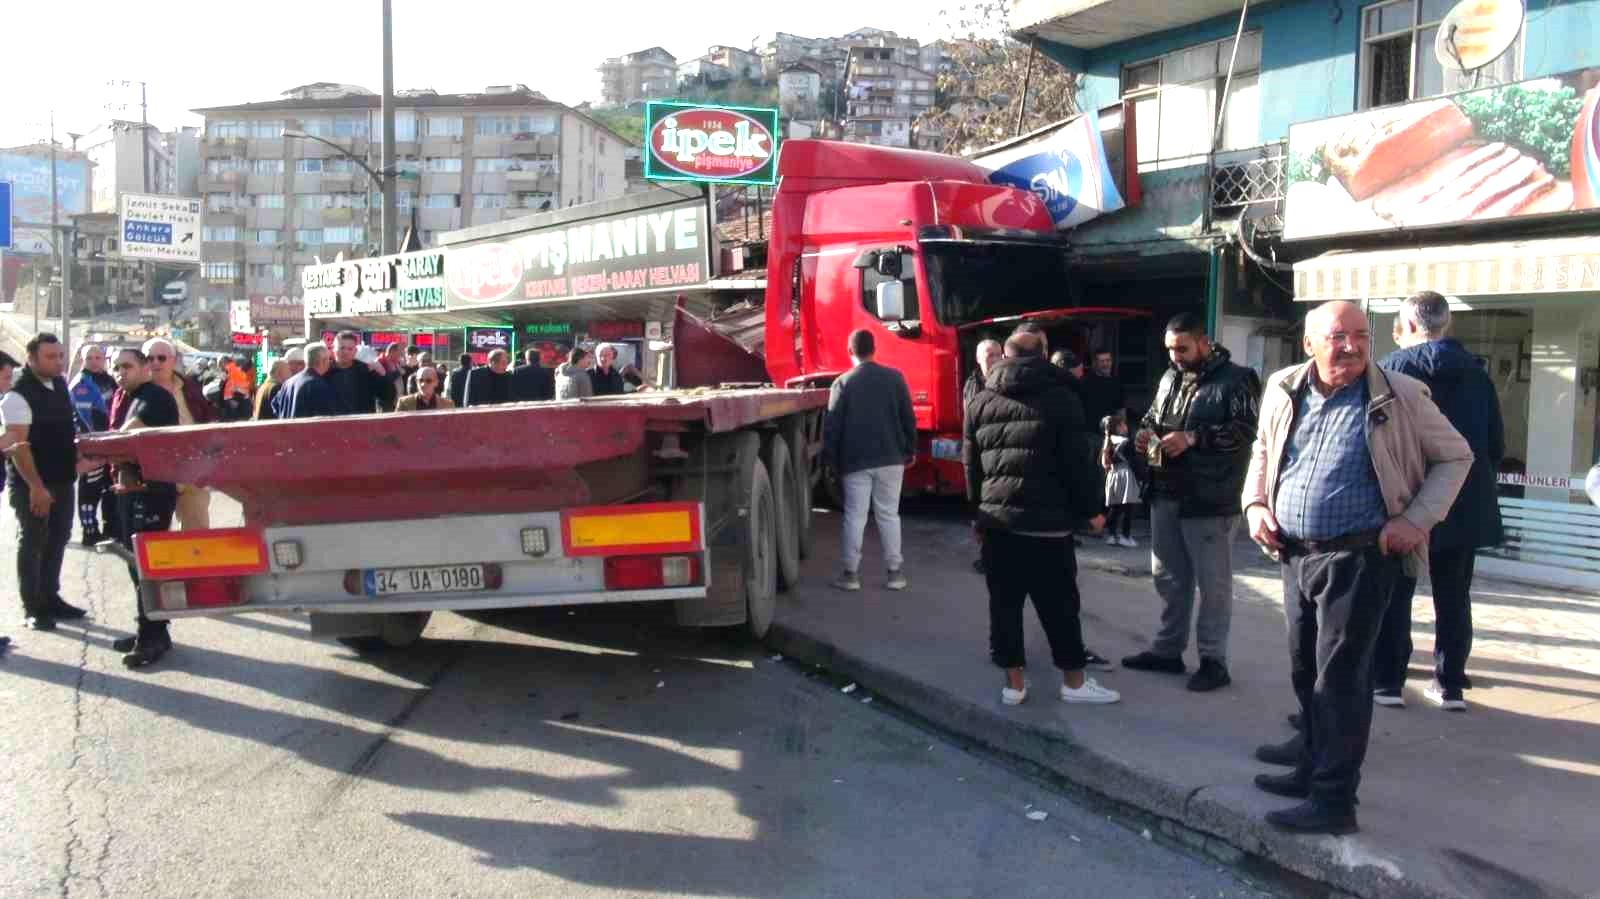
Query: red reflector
x=651, y=572
x=212, y=592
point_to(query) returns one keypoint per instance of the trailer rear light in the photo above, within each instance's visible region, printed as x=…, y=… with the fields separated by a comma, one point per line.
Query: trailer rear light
x=287, y=554
x=648, y=572
x=184, y=555
x=535, y=541
x=200, y=593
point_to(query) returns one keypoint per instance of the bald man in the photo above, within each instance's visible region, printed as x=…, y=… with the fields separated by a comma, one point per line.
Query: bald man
x=1352, y=466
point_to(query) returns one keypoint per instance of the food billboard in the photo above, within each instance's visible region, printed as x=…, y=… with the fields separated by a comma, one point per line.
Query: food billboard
x=1523, y=149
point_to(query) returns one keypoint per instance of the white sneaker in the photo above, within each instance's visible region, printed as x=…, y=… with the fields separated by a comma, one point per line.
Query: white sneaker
x=1449, y=700
x=1393, y=699
x=1091, y=692
x=1129, y=542
x=1111, y=540
x=1009, y=696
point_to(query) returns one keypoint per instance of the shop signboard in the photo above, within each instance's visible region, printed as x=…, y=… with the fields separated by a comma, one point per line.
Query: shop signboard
x=1527, y=149
x=644, y=251
x=239, y=315
x=710, y=144
x=535, y=330
x=485, y=339
x=276, y=309
x=243, y=340
x=617, y=330
x=408, y=282
x=1067, y=169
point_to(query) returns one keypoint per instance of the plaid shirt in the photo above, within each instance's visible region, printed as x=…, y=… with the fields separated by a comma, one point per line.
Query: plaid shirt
x=1328, y=487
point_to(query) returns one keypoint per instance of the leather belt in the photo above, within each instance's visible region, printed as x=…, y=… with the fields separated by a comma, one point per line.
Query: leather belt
x=1345, y=543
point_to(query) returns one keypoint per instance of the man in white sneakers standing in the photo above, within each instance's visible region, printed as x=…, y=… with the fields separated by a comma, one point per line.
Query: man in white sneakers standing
x=868, y=438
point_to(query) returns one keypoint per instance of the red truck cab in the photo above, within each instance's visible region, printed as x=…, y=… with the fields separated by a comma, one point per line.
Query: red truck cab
x=847, y=218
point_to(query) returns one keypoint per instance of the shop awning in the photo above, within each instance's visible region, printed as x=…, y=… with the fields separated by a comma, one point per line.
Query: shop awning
x=1551, y=266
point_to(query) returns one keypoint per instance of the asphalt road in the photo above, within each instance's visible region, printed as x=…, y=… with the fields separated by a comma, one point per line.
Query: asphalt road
x=590, y=752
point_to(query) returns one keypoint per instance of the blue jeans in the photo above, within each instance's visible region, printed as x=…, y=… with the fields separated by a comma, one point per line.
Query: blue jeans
x=879, y=490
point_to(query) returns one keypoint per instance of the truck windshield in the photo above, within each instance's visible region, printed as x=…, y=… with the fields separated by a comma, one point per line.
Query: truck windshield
x=974, y=280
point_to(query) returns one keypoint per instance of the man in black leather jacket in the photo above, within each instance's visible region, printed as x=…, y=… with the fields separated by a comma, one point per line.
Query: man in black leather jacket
x=1197, y=438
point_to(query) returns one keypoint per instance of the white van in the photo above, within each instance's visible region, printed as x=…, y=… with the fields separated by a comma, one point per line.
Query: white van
x=175, y=292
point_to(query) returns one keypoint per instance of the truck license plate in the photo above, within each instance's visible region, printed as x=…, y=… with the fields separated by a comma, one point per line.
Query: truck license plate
x=944, y=448
x=429, y=579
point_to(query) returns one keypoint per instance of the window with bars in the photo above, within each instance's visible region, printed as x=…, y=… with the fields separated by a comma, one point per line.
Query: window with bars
x=222, y=271
x=1398, y=62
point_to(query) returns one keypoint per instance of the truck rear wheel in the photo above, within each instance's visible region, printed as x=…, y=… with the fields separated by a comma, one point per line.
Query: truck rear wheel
x=797, y=438
x=787, y=500
x=400, y=630
x=761, y=554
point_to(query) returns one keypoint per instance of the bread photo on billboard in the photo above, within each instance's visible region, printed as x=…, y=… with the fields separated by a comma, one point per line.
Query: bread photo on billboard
x=1378, y=150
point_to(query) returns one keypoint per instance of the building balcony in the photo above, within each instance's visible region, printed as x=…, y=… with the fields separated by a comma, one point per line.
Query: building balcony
x=534, y=145
x=221, y=182
x=221, y=251
x=225, y=217
x=339, y=216
x=263, y=252
x=340, y=182
x=1250, y=179
x=1089, y=24
x=544, y=182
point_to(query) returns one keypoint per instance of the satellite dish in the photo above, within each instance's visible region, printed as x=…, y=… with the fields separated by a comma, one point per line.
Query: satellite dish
x=1477, y=32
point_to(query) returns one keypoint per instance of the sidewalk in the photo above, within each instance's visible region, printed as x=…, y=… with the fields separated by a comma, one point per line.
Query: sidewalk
x=1499, y=801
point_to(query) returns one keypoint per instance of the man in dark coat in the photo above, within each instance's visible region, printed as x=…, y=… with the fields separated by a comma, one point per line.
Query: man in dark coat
x=456, y=381
x=1467, y=398
x=606, y=377
x=532, y=382
x=1033, y=486
x=363, y=387
x=489, y=385
x=308, y=394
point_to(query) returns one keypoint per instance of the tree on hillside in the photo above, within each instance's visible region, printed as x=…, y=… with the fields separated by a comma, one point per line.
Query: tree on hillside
x=628, y=124
x=981, y=90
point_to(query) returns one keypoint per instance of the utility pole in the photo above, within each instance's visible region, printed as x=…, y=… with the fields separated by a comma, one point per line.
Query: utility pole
x=56, y=252
x=388, y=221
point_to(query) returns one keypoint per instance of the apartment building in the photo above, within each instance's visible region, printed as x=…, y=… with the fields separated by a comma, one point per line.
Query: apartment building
x=275, y=204
x=642, y=75
x=884, y=96
x=168, y=162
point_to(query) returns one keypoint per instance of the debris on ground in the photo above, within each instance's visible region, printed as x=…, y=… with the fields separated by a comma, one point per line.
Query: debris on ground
x=848, y=688
x=1038, y=815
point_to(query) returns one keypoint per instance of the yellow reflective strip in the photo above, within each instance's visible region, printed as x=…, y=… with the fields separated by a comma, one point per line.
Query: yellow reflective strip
x=202, y=552
x=637, y=529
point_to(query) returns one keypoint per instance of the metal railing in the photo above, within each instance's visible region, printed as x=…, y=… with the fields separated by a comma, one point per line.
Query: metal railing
x=1254, y=176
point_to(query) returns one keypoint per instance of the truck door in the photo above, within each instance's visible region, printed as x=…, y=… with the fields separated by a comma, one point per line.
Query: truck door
x=902, y=339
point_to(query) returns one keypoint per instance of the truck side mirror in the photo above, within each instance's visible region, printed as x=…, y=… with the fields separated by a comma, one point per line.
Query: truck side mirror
x=891, y=301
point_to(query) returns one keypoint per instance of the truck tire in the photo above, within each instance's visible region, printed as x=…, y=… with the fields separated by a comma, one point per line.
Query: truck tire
x=400, y=631
x=761, y=554
x=787, y=500
x=795, y=434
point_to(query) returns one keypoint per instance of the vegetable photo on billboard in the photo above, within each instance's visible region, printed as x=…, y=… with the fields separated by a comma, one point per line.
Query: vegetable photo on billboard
x=1512, y=150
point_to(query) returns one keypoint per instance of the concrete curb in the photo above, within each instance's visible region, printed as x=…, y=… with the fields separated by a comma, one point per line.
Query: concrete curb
x=1200, y=821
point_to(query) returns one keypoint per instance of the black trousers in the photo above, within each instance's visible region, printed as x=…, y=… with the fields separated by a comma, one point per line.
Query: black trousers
x=1451, y=572
x=96, y=502
x=1042, y=568
x=137, y=513
x=1120, y=516
x=41, y=546
x=1334, y=603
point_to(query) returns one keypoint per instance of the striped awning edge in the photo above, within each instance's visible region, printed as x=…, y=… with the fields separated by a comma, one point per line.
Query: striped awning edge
x=1566, y=265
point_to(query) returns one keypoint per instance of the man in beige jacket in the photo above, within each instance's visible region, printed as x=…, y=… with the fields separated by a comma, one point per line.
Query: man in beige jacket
x=1351, y=467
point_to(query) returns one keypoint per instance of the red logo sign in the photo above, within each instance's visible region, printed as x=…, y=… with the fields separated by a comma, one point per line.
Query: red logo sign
x=483, y=274
x=711, y=143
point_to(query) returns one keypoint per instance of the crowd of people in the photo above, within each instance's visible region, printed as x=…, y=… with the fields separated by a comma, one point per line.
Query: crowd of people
x=1356, y=475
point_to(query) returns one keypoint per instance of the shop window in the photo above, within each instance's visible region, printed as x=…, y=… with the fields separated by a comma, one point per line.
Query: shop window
x=1398, y=61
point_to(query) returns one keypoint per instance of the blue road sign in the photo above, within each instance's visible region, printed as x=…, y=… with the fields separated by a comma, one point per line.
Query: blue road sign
x=5, y=215
x=147, y=232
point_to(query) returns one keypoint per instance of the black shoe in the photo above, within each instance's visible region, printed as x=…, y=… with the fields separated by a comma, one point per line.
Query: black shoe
x=61, y=610
x=124, y=644
x=4, y=643
x=91, y=536
x=1291, y=785
x=1295, y=722
x=1212, y=675
x=1149, y=661
x=1286, y=753
x=1312, y=816
x=39, y=623
x=1098, y=663
x=147, y=651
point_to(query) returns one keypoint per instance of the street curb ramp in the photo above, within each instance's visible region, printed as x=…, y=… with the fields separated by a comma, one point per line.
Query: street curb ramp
x=1191, y=818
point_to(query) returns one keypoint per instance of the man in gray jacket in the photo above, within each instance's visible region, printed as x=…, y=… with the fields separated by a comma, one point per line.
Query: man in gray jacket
x=868, y=438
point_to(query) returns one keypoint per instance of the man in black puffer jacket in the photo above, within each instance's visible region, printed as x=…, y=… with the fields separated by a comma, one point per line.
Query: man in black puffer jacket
x=1033, y=486
x=1197, y=437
